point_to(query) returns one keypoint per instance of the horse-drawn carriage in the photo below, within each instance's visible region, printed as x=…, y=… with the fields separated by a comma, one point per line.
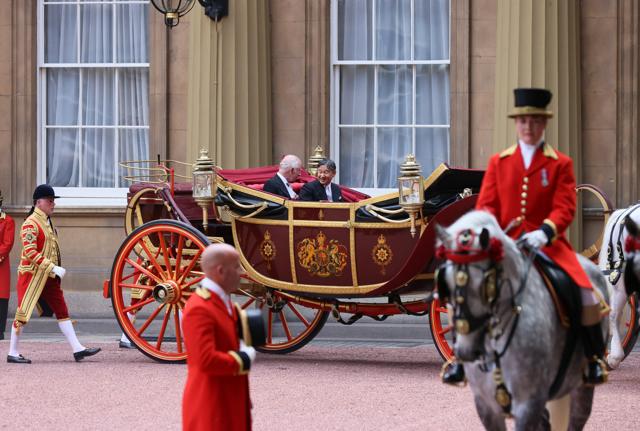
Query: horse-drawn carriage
x=366, y=256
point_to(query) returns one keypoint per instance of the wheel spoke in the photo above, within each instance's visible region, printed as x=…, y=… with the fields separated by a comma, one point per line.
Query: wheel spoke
x=162, y=329
x=150, y=319
x=176, y=319
x=178, y=256
x=163, y=248
x=143, y=270
x=192, y=282
x=248, y=303
x=133, y=274
x=445, y=330
x=135, y=286
x=285, y=325
x=189, y=267
x=153, y=260
x=138, y=305
x=300, y=316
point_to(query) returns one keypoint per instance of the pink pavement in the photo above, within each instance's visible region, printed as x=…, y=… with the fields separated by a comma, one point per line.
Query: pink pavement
x=317, y=388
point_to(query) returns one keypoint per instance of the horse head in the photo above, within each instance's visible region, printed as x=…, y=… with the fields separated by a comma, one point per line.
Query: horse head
x=473, y=249
x=632, y=249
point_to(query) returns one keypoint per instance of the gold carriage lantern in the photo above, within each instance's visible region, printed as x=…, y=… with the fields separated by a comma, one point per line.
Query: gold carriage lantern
x=204, y=184
x=411, y=189
x=312, y=163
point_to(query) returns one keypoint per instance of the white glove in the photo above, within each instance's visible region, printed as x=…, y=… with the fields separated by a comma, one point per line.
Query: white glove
x=59, y=271
x=536, y=239
x=250, y=351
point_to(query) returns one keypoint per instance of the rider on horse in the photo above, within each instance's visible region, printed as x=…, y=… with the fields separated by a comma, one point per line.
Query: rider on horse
x=530, y=189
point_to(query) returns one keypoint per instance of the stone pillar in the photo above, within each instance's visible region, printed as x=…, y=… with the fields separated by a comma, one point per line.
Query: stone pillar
x=538, y=45
x=229, y=95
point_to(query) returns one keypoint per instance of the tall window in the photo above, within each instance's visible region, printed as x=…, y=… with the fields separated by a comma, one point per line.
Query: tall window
x=390, y=87
x=93, y=60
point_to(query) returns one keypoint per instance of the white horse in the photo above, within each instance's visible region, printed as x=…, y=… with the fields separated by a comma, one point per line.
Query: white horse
x=611, y=262
x=509, y=336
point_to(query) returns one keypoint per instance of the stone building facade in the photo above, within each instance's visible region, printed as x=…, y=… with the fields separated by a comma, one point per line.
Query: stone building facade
x=258, y=85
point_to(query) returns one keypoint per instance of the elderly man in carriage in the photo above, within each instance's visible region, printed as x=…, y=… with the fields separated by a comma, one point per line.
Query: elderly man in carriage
x=530, y=189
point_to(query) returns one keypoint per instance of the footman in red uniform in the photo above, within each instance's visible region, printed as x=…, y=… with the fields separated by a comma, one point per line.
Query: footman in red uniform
x=216, y=395
x=7, y=232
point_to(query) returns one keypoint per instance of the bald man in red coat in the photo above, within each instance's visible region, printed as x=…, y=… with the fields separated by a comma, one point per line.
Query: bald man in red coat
x=531, y=188
x=216, y=395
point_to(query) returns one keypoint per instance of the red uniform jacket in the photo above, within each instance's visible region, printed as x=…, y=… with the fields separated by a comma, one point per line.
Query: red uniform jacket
x=544, y=193
x=7, y=231
x=216, y=395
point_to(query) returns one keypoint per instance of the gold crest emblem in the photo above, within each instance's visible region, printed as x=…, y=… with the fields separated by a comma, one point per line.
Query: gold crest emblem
x=268, y=249
x=382, y=254
x=321, y=257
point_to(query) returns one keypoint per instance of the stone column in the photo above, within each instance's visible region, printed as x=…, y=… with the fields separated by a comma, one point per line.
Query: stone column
x=538, y=45
x=229, y=95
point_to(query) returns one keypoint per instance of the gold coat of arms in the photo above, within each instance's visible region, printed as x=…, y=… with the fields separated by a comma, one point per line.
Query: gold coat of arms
x=321, y=257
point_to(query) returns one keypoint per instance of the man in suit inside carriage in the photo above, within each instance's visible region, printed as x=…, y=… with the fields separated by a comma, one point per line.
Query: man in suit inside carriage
x=288, y=173
x=530, y=187
x=322, y=189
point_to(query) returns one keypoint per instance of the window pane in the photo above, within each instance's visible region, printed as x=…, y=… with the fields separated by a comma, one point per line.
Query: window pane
x=356, y=157
x=132, y=44
x=356, y=94
x=393, y=30
x=395, y=95
x=96, y=33
x=61, y=38
x=393, y=146
x=432, y=148
x=133, y=97
x=62, y=96
x=99, y=158
x=63, y=156
x=432, y=94
x=134, y=145
x=355, y=24
x=97, y=97
x=431, y=29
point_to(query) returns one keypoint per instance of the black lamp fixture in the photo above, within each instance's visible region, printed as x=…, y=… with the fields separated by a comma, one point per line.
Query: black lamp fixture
x=173, y=10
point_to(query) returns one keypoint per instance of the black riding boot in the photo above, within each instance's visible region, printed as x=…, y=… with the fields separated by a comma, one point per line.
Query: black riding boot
x=594, y=349
x=4, y=305
x=453, y=373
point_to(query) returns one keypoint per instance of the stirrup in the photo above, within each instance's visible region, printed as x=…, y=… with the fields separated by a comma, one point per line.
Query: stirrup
x=593, y=380
x=457, y=379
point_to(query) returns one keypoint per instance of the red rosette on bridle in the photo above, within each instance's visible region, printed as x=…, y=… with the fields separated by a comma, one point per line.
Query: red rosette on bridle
x=631, y=244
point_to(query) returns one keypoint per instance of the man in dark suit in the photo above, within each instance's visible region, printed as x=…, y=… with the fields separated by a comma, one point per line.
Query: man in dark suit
x=322, y=189
x=289, y=172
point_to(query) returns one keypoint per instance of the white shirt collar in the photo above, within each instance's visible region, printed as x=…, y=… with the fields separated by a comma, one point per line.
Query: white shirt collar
x=215, y=288
x=528, y=151
x=292, y=194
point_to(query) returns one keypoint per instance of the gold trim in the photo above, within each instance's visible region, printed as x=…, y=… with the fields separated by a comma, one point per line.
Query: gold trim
x=292, y=251
x=352, y=247
x=203, y=293
x=548, y=151
x=509, y=151
x=424, y=276
x=241, y=370
x=529, y=110
x=334, y=224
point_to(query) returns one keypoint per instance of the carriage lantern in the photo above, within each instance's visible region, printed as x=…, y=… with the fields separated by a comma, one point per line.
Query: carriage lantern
x=312, y=163
x=204, y=184
x=411, y=189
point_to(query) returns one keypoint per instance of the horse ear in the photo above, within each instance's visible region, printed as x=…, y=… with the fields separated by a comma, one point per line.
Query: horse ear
x=631, y=226
x=484, y=238
x=442, y=234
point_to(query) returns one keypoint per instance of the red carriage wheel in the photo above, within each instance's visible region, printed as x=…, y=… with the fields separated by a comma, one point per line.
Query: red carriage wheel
x=630, y=328
x=161, y=259
x=441, y=329
x=290, y=326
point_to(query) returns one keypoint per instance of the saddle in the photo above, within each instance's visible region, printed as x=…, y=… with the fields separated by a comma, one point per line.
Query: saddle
x=564, y=292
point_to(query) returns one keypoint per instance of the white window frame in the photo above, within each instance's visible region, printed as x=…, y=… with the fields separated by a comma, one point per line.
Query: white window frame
x=79, y=196
x=334, y=110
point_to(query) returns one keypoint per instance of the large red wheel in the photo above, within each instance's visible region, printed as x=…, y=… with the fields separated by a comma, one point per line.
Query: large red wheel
x=289, y=325
x=629, y=325
x=160, y=260
x=441, y=329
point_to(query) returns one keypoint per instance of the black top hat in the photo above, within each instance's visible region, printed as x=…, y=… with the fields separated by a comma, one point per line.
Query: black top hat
x=44, y=191
x=531, y=101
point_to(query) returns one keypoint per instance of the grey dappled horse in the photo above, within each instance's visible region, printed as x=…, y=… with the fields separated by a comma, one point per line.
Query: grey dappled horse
x=528, y=345
x=611, y=260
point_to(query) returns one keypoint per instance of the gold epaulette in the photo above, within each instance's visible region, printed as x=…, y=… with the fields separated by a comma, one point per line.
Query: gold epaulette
x=509, y=151
x=548, y=151
x=203, y=292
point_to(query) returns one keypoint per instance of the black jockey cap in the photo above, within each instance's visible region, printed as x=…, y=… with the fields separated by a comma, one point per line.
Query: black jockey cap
x=44, y=191
x=531, y=101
